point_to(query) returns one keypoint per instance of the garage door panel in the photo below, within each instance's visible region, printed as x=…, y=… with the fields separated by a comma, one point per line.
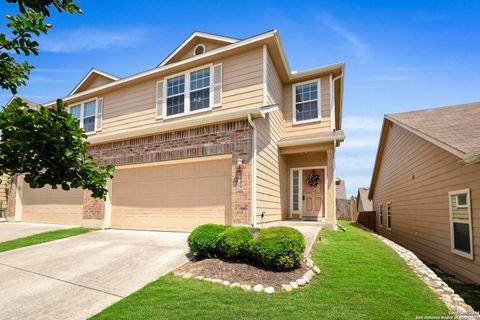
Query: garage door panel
x=47, y=205
x=175, y=197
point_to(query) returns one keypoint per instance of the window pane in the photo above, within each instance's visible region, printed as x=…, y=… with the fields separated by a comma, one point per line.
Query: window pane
x=306, y=111
x=176, y=85
x=175, y=105
x=89, y=124
x=199, y=99
x=200, y=79
x=75, y=112
x=295, y=203
x=459, y=213
x=462, y=199
x=461, y=233
x=89, y=109
x=306, y=92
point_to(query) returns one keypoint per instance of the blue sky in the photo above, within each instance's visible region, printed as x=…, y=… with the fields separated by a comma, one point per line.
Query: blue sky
x=400, y=55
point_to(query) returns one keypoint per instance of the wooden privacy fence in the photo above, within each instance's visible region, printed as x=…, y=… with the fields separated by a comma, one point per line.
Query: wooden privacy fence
x=344, y=209
x=367, y=219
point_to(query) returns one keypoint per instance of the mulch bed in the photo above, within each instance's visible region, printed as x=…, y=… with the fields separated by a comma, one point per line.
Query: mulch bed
x=236, y=271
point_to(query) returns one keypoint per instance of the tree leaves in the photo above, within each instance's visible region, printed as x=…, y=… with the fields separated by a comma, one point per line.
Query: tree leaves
x=47, y=146
x=24, y=26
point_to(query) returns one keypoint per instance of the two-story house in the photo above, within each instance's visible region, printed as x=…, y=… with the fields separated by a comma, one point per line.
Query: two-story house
x=221, y=131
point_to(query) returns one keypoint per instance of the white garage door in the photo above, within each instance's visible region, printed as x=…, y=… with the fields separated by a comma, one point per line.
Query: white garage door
x=46, y=205
x=172, y=197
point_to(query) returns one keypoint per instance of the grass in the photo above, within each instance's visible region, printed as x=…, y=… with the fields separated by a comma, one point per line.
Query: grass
x=41, y=238
x=470, y=292
x=361, y=278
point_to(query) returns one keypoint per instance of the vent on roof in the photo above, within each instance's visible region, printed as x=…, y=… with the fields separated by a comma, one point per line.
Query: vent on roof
x=199, y=49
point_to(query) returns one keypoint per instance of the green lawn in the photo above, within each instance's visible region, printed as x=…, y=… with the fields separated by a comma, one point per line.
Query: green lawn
x=361, y=279
x=41, y=238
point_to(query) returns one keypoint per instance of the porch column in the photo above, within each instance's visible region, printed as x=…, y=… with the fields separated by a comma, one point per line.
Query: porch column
x=331, y=187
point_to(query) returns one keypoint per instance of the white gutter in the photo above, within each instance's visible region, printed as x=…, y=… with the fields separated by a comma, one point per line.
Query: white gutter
x=338, y=136
x=212, y=117
x=254, y=171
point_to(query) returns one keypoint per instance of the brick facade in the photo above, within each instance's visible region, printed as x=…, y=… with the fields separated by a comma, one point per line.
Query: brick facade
x=233, y=138
x=12, y=194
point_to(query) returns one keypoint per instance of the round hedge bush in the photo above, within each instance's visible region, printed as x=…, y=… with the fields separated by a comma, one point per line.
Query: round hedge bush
x=203, y=241
x=279, y=247
x=235, y=242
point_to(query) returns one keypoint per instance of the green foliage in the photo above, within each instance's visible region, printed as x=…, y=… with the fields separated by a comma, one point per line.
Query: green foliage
x=279, y=247
x=29, y=23
x=41, y=238
x=47, y=145
x=235, y=242
x=203, y=241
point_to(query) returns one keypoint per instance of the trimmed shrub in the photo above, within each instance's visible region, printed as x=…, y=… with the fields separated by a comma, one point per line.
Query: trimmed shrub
x=235, y=242
x=279, y=247
x=203, y=241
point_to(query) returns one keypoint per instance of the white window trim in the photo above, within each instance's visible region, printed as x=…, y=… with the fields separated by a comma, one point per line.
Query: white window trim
x=380, y=215
x=199, y=45
x=82, y=106
x=187, y=110
x=319, y=102
x=452, y=238
x=389, y=215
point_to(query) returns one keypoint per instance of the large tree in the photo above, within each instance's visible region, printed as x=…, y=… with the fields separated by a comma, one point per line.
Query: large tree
x=44, y=144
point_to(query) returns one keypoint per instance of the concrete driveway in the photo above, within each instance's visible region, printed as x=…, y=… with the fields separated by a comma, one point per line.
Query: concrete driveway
x=15, y=230
x=75, y=278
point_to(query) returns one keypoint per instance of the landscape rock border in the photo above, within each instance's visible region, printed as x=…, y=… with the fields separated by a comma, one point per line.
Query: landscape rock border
x=455, y=304
x=313, y=271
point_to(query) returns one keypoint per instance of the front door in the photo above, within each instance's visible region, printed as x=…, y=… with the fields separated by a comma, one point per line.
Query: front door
x=313, y=190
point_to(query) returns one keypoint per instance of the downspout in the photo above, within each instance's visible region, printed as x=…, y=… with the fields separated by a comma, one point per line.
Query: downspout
x=334, y=128
x=254, y=171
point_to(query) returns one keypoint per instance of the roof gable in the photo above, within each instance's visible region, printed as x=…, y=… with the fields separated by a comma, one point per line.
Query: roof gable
x=186, y=49
x=94, y=78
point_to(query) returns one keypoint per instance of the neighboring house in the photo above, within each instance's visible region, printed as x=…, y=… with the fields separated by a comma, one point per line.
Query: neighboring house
x=363, y=203
x=221, y=131
x=426, y=186
x=341, y=189
x=364, y=213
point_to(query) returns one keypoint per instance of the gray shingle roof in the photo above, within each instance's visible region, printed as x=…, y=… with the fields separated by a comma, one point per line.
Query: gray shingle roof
x=455, y=126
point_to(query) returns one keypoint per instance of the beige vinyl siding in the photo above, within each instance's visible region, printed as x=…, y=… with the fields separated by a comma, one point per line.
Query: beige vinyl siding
x=95, y=80
x=272, y=185
x=187, y=51
x=311, y=128
x=46, y=205
x=416, y=177
x=274, y=84
x=134, y=106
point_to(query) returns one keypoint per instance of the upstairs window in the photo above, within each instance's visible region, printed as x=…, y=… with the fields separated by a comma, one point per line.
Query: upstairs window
x=86, y=113
x=306, y=102
x=461, y=223
x=200, y=89
x=176, y=95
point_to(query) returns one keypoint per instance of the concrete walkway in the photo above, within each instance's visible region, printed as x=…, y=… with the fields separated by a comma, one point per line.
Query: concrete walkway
x=75, y=278
x=15, y=230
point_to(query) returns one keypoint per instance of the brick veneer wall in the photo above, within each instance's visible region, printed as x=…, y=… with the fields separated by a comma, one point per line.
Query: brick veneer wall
x=224, y=138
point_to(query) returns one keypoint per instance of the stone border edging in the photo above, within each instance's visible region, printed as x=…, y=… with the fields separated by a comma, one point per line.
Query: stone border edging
x=447, y=295
x=301, y=282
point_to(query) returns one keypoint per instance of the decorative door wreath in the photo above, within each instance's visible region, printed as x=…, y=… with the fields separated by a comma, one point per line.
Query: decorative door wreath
x=313, y=179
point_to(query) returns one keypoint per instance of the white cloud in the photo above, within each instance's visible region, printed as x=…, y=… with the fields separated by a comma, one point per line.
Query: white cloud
x=356, y=156
x=89, y=39
x=347, y=35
